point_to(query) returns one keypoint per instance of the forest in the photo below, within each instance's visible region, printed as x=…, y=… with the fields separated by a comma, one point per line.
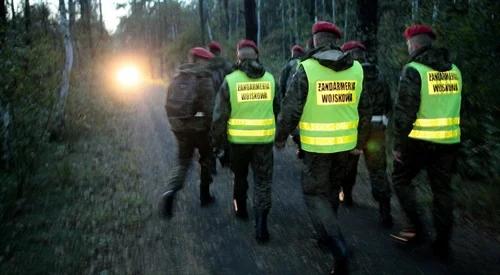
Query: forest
x=65, y=131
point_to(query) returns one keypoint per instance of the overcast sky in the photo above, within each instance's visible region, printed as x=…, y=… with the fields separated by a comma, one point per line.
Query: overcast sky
x=111, y=16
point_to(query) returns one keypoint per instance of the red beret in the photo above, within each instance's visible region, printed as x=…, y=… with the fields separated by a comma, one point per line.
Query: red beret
x=413, y=30
x=353, y=44
x=201, y=53
x=214, y=46
x=297, y=48
x=325, y=26
x=245, y=43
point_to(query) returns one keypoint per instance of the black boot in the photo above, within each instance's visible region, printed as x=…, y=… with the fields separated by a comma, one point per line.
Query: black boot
x=340, y=261
x=166, y=204
x=240, y=208
x=261, y=232
x=385, y=213
x=205, y=197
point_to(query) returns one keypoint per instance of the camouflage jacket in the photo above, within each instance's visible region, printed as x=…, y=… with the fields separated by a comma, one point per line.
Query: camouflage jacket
x=378, y=89
x=220, y=68
x=285, y=77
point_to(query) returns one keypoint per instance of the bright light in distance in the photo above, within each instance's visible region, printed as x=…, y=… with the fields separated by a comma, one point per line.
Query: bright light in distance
x=128, y=76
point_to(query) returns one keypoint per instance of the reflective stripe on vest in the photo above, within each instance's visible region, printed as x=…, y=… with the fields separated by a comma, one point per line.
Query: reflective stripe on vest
x=438, y=118
x=329, y=121
x=252, y=118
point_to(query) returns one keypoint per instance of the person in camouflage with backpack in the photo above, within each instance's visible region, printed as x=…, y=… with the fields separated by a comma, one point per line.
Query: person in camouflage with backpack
x=374, y=150
x=189, y=109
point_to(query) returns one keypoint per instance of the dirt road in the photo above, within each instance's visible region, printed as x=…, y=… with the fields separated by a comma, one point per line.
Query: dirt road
x=212, y=241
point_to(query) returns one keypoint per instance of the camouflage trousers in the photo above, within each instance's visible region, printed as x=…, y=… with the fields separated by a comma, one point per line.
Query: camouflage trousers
x=321, y=180
x=188, y=142
x=439, y=161
x=376, y=164
x=260, y=158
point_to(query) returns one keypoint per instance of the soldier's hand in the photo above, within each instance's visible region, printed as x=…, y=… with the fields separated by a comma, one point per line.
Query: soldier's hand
x=356, y=152
x=280, y=144
x=397, y=156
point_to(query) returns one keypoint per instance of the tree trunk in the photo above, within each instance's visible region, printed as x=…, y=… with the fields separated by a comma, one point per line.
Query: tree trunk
x=3, y=21
x=414, y=10
x=71, y=10
x=209, y=32
x=368, y=25
x=251, y=20
x=202, y=21
x=85, y=9
x=237, y=7
x=283, y=29
x=12, y=10
x=346, y=19
x=6, y=154
x=57, y=124
x=101, y=22
x=315, y=10
x=296, y=21
x=27, y=21
x=226, y=18
x=435, y=11
x=259, y=26
x=323, y=12
x=334, y=11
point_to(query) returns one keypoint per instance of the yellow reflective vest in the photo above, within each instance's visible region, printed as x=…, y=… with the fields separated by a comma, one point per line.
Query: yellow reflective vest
x=252, y=118
x=329, y=122
x=438, y=118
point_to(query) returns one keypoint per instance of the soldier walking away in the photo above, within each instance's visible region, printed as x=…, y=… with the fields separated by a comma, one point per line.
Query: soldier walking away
x=289, y=69
x=427, y=136
x=286, y=75
x=325, y=99
x=189, y=109
x=220, y=67
x=245, y=116
x=374, y=150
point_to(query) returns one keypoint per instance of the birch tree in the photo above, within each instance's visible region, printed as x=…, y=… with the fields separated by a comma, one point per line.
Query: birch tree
x=57, y=125
x=414, y=10
x=435, y=10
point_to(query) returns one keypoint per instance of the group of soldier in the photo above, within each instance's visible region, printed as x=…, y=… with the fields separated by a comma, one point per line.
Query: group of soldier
x=336, y=106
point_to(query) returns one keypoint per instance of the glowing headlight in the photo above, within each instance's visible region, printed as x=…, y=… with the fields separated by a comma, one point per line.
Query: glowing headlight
x=128, y=76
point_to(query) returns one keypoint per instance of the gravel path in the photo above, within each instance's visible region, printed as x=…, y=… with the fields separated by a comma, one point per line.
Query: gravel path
x=212, y=241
